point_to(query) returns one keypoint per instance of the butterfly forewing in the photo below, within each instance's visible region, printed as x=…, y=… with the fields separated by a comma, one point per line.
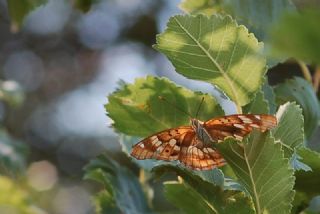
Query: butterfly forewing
x=164, y=145
x=178, y=144
x=238, y=125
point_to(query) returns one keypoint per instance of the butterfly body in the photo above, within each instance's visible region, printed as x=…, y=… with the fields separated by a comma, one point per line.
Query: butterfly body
x=192, y=145
x=200, y=131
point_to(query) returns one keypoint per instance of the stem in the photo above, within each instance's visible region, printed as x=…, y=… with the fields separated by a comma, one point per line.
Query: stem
x=239, y=109
x=316, y=79
x=305, y=71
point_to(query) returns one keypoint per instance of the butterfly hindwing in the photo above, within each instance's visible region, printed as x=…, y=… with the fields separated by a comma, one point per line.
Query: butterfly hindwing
x=204, y=158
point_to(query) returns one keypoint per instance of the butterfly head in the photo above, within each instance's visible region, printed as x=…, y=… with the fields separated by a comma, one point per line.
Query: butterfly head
x=196, y=124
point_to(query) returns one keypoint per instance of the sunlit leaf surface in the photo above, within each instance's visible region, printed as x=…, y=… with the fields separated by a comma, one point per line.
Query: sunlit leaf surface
x=216, y=50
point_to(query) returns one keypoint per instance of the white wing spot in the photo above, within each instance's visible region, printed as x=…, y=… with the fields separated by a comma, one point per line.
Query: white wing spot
x=238, y=126
x=160, y=149
x=153, y=138
x=210, y=150
x=172, y=142
x=201, y=155
x=158, y=143
x=245, y=119
x=258, y=117
x=141, y=145
x=254, y=125
x=238, y=137
x=176, y=148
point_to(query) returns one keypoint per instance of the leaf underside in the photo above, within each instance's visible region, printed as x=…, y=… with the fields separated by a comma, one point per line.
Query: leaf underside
x=137, y=110
x=207, y=197
x=261, y=168
x=300, y=91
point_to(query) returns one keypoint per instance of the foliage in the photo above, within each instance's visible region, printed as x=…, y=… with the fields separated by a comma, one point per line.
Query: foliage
x=289, y=131
x=262, y=169
x=215, y=50
x=122, y=191
x=12, y=155
x=299, y=90
x=258, y=16
x=15, y=200
x=223, y=43
x=143, y=100
x=259, y=164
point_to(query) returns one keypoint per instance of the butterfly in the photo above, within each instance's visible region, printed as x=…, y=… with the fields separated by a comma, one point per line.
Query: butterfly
x=191, y=144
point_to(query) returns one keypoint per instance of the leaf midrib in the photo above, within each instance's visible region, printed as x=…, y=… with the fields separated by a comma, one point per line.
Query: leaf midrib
x=258, y=209
x=222, y=71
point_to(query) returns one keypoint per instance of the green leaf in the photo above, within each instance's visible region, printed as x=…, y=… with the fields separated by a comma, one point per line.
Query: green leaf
x=84, y=5
x=298, y=35
x=12, y=155
x=259, y=105
x=299, y=90
x=207, y=7
x=261, y=168
x=190, y=201
x=258, y=16
x=213, y=177
x=18, y=9
x=308, y=181
x=201, y=186
x=121, y=186
x=297, y=164
x=105, y=203
x=216, y=50
x=137, y=110
x=270, y=96
x=289, y=131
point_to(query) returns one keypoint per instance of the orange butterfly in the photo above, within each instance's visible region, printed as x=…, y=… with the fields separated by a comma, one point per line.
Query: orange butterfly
x=191, y=144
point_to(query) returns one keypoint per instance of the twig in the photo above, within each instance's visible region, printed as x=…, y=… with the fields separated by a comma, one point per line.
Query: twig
x=316, y=79
x=305, y=71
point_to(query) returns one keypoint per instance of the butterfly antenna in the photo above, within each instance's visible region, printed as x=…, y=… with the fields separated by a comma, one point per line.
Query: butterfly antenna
x=199, y=107
x=178, y=108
